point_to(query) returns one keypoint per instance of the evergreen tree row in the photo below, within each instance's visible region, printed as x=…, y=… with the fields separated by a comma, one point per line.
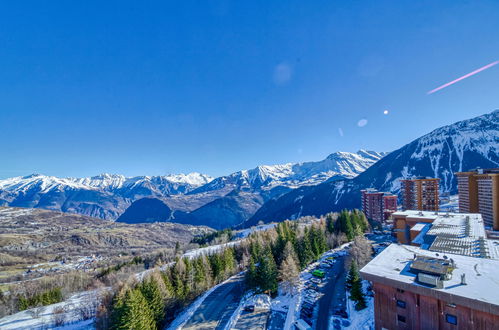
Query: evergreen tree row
x=156, y=300
x=269, y=256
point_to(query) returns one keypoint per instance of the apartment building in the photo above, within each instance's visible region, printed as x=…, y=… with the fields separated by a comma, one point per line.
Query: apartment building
x=420, y=193
x=377, y=205
x=479, y=192
x=420, y=289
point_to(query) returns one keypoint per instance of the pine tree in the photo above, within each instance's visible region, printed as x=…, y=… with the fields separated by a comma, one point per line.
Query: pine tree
x=267, y=272
x=355, y=283
x=251, y=275
x=353, y=274
x=178, y=277
x=217, y=267
x=305, y=253
x=170, y=291
x=132, y=312
x=229, y=261
x=189, y=276
x=200, y=282
x=151, y=292
x=349, y=228
x=330, y=223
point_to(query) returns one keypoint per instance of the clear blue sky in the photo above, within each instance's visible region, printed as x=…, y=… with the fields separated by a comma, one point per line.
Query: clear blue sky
x=146, y=88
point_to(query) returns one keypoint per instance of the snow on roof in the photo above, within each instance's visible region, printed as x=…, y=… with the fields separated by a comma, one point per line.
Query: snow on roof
x=480, y=274
x=423, y=229
x=459, y=233
x=416, y=214
x=419, y=226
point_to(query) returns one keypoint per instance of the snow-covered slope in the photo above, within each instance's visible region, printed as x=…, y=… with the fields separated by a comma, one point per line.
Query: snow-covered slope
x=458, y=147
x=240, y=194
x=293, y=175
x=105, y=196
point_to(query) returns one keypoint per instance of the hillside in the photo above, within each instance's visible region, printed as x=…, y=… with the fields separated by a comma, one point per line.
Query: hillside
x=232, y=199
x=29, y=236
x=104, y=196
x=458, y=147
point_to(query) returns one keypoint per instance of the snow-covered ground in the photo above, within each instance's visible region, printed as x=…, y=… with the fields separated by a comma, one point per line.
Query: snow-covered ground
x=70, y=310
x=246, y=232
x=293, y=303
x=358, y=320
x=209, y=249
x=184, y=316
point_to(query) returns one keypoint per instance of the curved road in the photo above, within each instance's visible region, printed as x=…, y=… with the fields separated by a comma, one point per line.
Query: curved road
x=216, y=310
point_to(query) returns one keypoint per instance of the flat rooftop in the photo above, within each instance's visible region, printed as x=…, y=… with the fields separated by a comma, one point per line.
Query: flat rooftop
x=391, y=267
x=458, y=233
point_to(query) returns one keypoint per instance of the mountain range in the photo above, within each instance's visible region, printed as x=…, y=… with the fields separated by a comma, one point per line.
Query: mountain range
x=192, y=199
x=105, y=196
x=462, y=146
x=268, y=192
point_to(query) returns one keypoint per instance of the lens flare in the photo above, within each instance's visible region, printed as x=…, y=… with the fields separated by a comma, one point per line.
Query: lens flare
x=463, y=77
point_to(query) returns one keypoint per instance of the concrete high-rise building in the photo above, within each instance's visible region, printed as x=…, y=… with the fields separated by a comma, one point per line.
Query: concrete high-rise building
x=479, y=192
x=377, y=205
x=420, y=194
x=389, y=205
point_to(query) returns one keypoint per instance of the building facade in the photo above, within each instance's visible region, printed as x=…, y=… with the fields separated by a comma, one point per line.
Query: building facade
x=420, y=194
x=378, y=206
x=418, y=289
x=479, y=192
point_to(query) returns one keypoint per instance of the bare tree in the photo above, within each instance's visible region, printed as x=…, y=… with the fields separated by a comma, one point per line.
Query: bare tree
x=288, y=272
x=361, y=250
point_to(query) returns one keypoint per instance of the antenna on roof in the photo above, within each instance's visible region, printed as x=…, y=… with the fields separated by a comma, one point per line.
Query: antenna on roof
x=463, y=279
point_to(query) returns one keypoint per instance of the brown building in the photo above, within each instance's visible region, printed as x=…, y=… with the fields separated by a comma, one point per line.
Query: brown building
x=389, y=205
x=479, y=192
x=418, y=289
x=420, y=194
x=378, y=206
x=404, y=221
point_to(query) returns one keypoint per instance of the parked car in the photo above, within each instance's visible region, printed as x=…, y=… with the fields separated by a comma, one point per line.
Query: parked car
x=249, y=308
x=301, y=325
x=341, y=313
x=313, y=286
x=319, y=273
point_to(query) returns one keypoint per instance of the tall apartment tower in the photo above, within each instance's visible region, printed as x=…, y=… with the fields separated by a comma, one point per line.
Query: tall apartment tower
x=420, y=193
x=377, y=205
x=479, y=193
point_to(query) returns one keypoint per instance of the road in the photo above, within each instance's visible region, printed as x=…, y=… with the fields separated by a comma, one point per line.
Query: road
x=249, y=321
x=216, y=310
x=334, y=293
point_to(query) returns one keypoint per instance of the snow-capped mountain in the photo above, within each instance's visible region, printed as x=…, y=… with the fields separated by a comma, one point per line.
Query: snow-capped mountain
x=105, y=196
x=293, y=175
x=458, y=147
x=232, y=199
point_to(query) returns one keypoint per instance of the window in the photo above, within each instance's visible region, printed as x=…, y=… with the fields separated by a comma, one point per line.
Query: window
x=400, y=290
x=452, y=319
x=401, y=318
x=400, y=303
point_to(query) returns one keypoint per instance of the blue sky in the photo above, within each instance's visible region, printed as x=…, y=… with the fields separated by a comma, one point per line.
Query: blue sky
x=218, y=86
